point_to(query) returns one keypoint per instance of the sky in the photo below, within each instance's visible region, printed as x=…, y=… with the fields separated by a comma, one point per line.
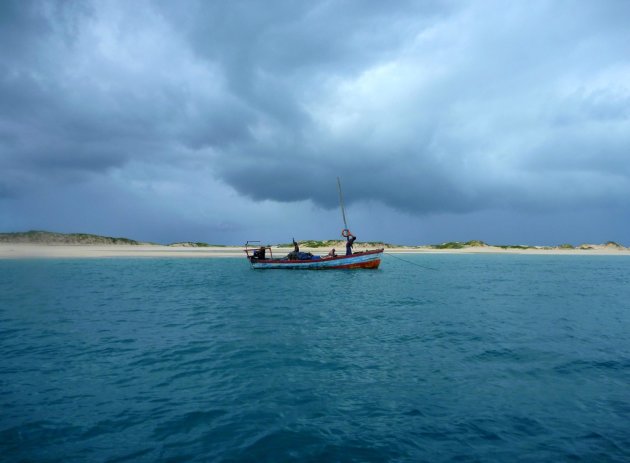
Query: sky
x=227, y=121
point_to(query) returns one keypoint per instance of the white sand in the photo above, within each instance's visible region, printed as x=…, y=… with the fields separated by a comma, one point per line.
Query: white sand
x=15, y=251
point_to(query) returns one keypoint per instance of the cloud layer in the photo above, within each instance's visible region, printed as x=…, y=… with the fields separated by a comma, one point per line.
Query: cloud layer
x=439, y=108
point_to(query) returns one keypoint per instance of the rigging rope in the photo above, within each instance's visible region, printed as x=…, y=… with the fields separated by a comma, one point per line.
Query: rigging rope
x=343, y=210
x=409, y=262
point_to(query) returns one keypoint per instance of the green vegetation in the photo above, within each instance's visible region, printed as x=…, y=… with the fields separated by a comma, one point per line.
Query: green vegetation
x=88, y=237
x=316, y=243
x=45, y=237
x=449, y=245
x=39, y=236
x=377, y=244
x=459, y=244
x=309, y=244
x=312, y=244
x=195, y=244
x=475, y=243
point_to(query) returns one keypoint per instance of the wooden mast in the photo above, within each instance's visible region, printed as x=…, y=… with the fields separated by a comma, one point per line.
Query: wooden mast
x=343, y=209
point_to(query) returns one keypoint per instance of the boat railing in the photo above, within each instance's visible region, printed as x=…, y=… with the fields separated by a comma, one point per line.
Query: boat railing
x=251, y=247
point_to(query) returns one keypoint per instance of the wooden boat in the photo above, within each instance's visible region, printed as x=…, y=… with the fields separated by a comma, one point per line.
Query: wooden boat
x=366, y=259
x=257, y=255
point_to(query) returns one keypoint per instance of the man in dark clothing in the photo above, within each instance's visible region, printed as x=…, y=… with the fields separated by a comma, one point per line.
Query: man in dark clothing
x=350, y=241
x=294, y=255
x=260, y=253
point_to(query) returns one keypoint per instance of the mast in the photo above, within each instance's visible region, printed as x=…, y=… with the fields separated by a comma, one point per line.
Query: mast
x=343, y=210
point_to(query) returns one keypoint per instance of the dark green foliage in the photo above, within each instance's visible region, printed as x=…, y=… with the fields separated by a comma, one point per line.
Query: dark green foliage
x=449, y=245
x=475, y=243
x=315, y=243
x=310, y=244
x=38, y=236
x=378, y=244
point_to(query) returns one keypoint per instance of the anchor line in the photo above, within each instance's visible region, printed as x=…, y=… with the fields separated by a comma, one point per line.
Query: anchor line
x=409, y=262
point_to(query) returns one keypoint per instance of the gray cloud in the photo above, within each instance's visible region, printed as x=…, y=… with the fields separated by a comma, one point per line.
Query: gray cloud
x=444, y=107
x=427, y=108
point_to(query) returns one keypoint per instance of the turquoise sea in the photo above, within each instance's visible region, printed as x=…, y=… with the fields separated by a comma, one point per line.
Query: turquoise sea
x=484, y=358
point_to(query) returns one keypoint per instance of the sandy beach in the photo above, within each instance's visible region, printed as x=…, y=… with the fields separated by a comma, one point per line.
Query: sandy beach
x=18, y=251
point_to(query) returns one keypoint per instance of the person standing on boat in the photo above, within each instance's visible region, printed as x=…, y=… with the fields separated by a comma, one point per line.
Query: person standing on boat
x=295, y=254
x=350, y=241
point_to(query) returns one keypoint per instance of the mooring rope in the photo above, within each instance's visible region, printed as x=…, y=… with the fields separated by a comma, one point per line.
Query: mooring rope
x=409, y=262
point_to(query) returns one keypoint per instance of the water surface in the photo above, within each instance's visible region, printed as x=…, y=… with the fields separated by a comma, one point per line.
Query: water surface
x=485, y=358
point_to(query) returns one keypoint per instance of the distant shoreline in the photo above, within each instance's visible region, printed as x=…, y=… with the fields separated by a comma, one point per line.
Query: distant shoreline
x=20, y=250
x=42, y=243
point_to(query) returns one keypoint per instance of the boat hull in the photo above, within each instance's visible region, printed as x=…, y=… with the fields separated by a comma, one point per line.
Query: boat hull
x=361, y=260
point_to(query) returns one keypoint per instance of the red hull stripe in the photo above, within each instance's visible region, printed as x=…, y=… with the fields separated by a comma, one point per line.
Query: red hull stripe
x=370, y=264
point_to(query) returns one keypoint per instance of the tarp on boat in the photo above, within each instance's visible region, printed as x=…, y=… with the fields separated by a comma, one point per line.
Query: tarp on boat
x=301, y=256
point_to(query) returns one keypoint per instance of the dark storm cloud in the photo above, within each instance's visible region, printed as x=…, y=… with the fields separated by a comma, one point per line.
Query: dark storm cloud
x=275, y=59
x=290, y=38
x=423, y=106
x=40, y=128
x=21, y=24
x=463, y=115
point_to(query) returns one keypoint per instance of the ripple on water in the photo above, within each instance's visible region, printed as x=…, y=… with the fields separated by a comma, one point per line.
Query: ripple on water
x=490, y=358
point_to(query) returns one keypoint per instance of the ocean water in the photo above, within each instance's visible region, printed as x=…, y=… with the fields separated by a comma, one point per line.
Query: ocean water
x=483, y=358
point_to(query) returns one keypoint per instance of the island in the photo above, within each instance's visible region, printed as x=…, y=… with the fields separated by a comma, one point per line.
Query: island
x=37, y=243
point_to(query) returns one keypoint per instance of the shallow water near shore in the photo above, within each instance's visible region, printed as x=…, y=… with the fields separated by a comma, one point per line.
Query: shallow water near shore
x=485, y=358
